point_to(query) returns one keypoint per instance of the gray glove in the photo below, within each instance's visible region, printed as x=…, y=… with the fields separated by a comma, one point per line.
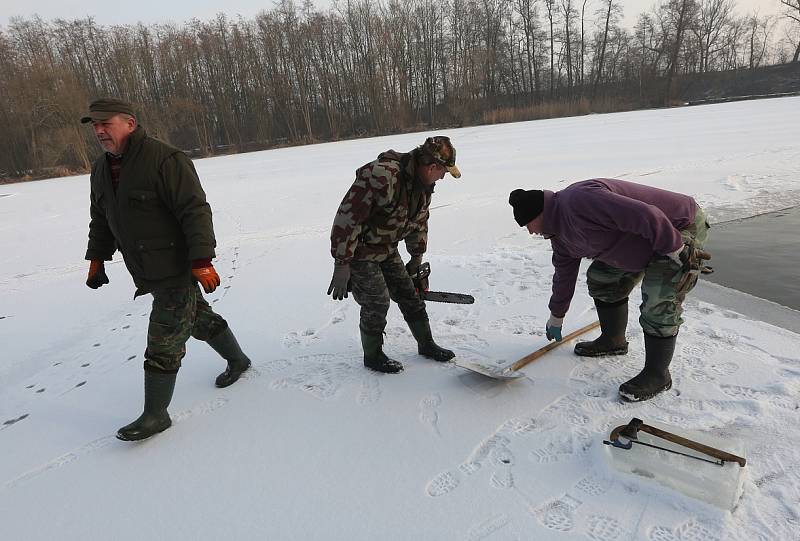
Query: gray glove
x=413, y=264
x=339, y=282
x=412, y=268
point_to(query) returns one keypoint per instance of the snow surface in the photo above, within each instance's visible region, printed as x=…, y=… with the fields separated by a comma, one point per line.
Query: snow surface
x=310, y=445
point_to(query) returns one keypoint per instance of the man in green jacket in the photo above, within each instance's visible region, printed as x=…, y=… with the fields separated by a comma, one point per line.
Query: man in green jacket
x=147, y=202
x=388, y=203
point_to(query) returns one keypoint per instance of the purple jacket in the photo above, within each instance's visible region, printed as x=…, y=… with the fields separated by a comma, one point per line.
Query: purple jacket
x=620, y=223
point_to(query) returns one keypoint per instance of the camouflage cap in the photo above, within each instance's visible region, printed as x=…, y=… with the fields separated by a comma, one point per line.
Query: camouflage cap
x=104, y=108
x=443, y=152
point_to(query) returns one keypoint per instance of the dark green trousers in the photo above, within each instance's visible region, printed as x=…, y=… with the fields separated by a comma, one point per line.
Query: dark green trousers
x=375, y=283
x=177, y=314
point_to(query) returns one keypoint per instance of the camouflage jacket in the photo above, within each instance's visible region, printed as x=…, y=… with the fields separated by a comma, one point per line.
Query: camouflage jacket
x=385, y=204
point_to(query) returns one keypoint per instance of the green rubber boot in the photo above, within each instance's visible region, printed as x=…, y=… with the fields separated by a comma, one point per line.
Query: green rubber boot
x=228, y=348
x=158, y=388
x=421, y=329
x=374, y=357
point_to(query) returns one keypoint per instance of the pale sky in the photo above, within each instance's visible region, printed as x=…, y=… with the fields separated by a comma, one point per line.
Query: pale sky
x=153, y=11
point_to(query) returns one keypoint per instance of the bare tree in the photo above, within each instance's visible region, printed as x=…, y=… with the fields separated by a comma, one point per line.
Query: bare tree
x=793, y=13
x=610, y=12
x=759, y=29
x=551, y=14
x=714, y=16
x=568, y=11
x=527, y=12
x=677, y=18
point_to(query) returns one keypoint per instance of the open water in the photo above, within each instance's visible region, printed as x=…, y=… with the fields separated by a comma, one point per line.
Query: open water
x=759, y=255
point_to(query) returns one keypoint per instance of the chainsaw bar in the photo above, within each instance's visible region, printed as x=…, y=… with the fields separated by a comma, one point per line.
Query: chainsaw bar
x=421, y=283
x=444, y=296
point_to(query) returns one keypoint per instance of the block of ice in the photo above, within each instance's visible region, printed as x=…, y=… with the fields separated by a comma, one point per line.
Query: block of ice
x=718, y=485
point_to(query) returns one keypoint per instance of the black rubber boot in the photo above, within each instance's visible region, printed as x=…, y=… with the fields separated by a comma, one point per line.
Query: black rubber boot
x=374, y=357
x=613, y=322
x=421, y=329
x=228, y=348
x=158, y=388
x=655, y=377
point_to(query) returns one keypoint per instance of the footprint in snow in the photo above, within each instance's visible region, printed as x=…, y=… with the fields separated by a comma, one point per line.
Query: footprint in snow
x=592, y=486
x=558, y=515
x=442, y=484
x=484, y=529
x=428, y=414
x=689, y=531
x=603, y=528
x=369, y=391
x=14, y=421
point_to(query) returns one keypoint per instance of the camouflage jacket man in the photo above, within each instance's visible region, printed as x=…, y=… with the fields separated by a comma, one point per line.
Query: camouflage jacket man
x=386, y=204
x=158, y=217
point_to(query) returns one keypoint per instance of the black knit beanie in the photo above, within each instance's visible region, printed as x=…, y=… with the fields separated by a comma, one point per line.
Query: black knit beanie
x=528, y=204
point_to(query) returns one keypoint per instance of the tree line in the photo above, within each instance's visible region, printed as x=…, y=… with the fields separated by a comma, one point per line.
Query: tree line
x=296, y=74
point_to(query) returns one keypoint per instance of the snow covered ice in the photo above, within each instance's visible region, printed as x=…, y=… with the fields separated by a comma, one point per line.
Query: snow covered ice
x=310, y=445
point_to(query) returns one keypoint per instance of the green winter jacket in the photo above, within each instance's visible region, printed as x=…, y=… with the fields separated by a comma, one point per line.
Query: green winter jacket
x=158, y=218
x=385, y=204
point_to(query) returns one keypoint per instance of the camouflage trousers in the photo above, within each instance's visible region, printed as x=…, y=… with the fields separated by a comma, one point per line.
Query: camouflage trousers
x=664, y=284
x=177, y=314
x=374, y=283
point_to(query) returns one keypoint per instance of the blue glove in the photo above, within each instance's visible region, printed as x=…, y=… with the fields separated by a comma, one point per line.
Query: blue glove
x=553, y=328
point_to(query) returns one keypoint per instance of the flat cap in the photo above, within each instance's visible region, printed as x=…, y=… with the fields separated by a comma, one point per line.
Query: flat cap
x=104, y=108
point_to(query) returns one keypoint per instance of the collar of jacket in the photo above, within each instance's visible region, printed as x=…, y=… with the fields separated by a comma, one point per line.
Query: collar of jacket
x=550, y=211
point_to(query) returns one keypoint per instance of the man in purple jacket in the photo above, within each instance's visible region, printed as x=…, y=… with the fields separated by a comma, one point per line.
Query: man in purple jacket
x=634, y=233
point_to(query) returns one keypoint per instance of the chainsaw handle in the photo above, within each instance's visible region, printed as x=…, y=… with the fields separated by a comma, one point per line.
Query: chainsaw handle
x=423, y=271
x=527, y=359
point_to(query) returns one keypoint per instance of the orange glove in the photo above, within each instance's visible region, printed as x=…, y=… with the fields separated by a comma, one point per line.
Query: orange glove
x=97, y=274
x=207, y=277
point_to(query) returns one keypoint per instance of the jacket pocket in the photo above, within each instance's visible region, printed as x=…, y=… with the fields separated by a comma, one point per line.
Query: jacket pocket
x=143, y=199
x=161, y=258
